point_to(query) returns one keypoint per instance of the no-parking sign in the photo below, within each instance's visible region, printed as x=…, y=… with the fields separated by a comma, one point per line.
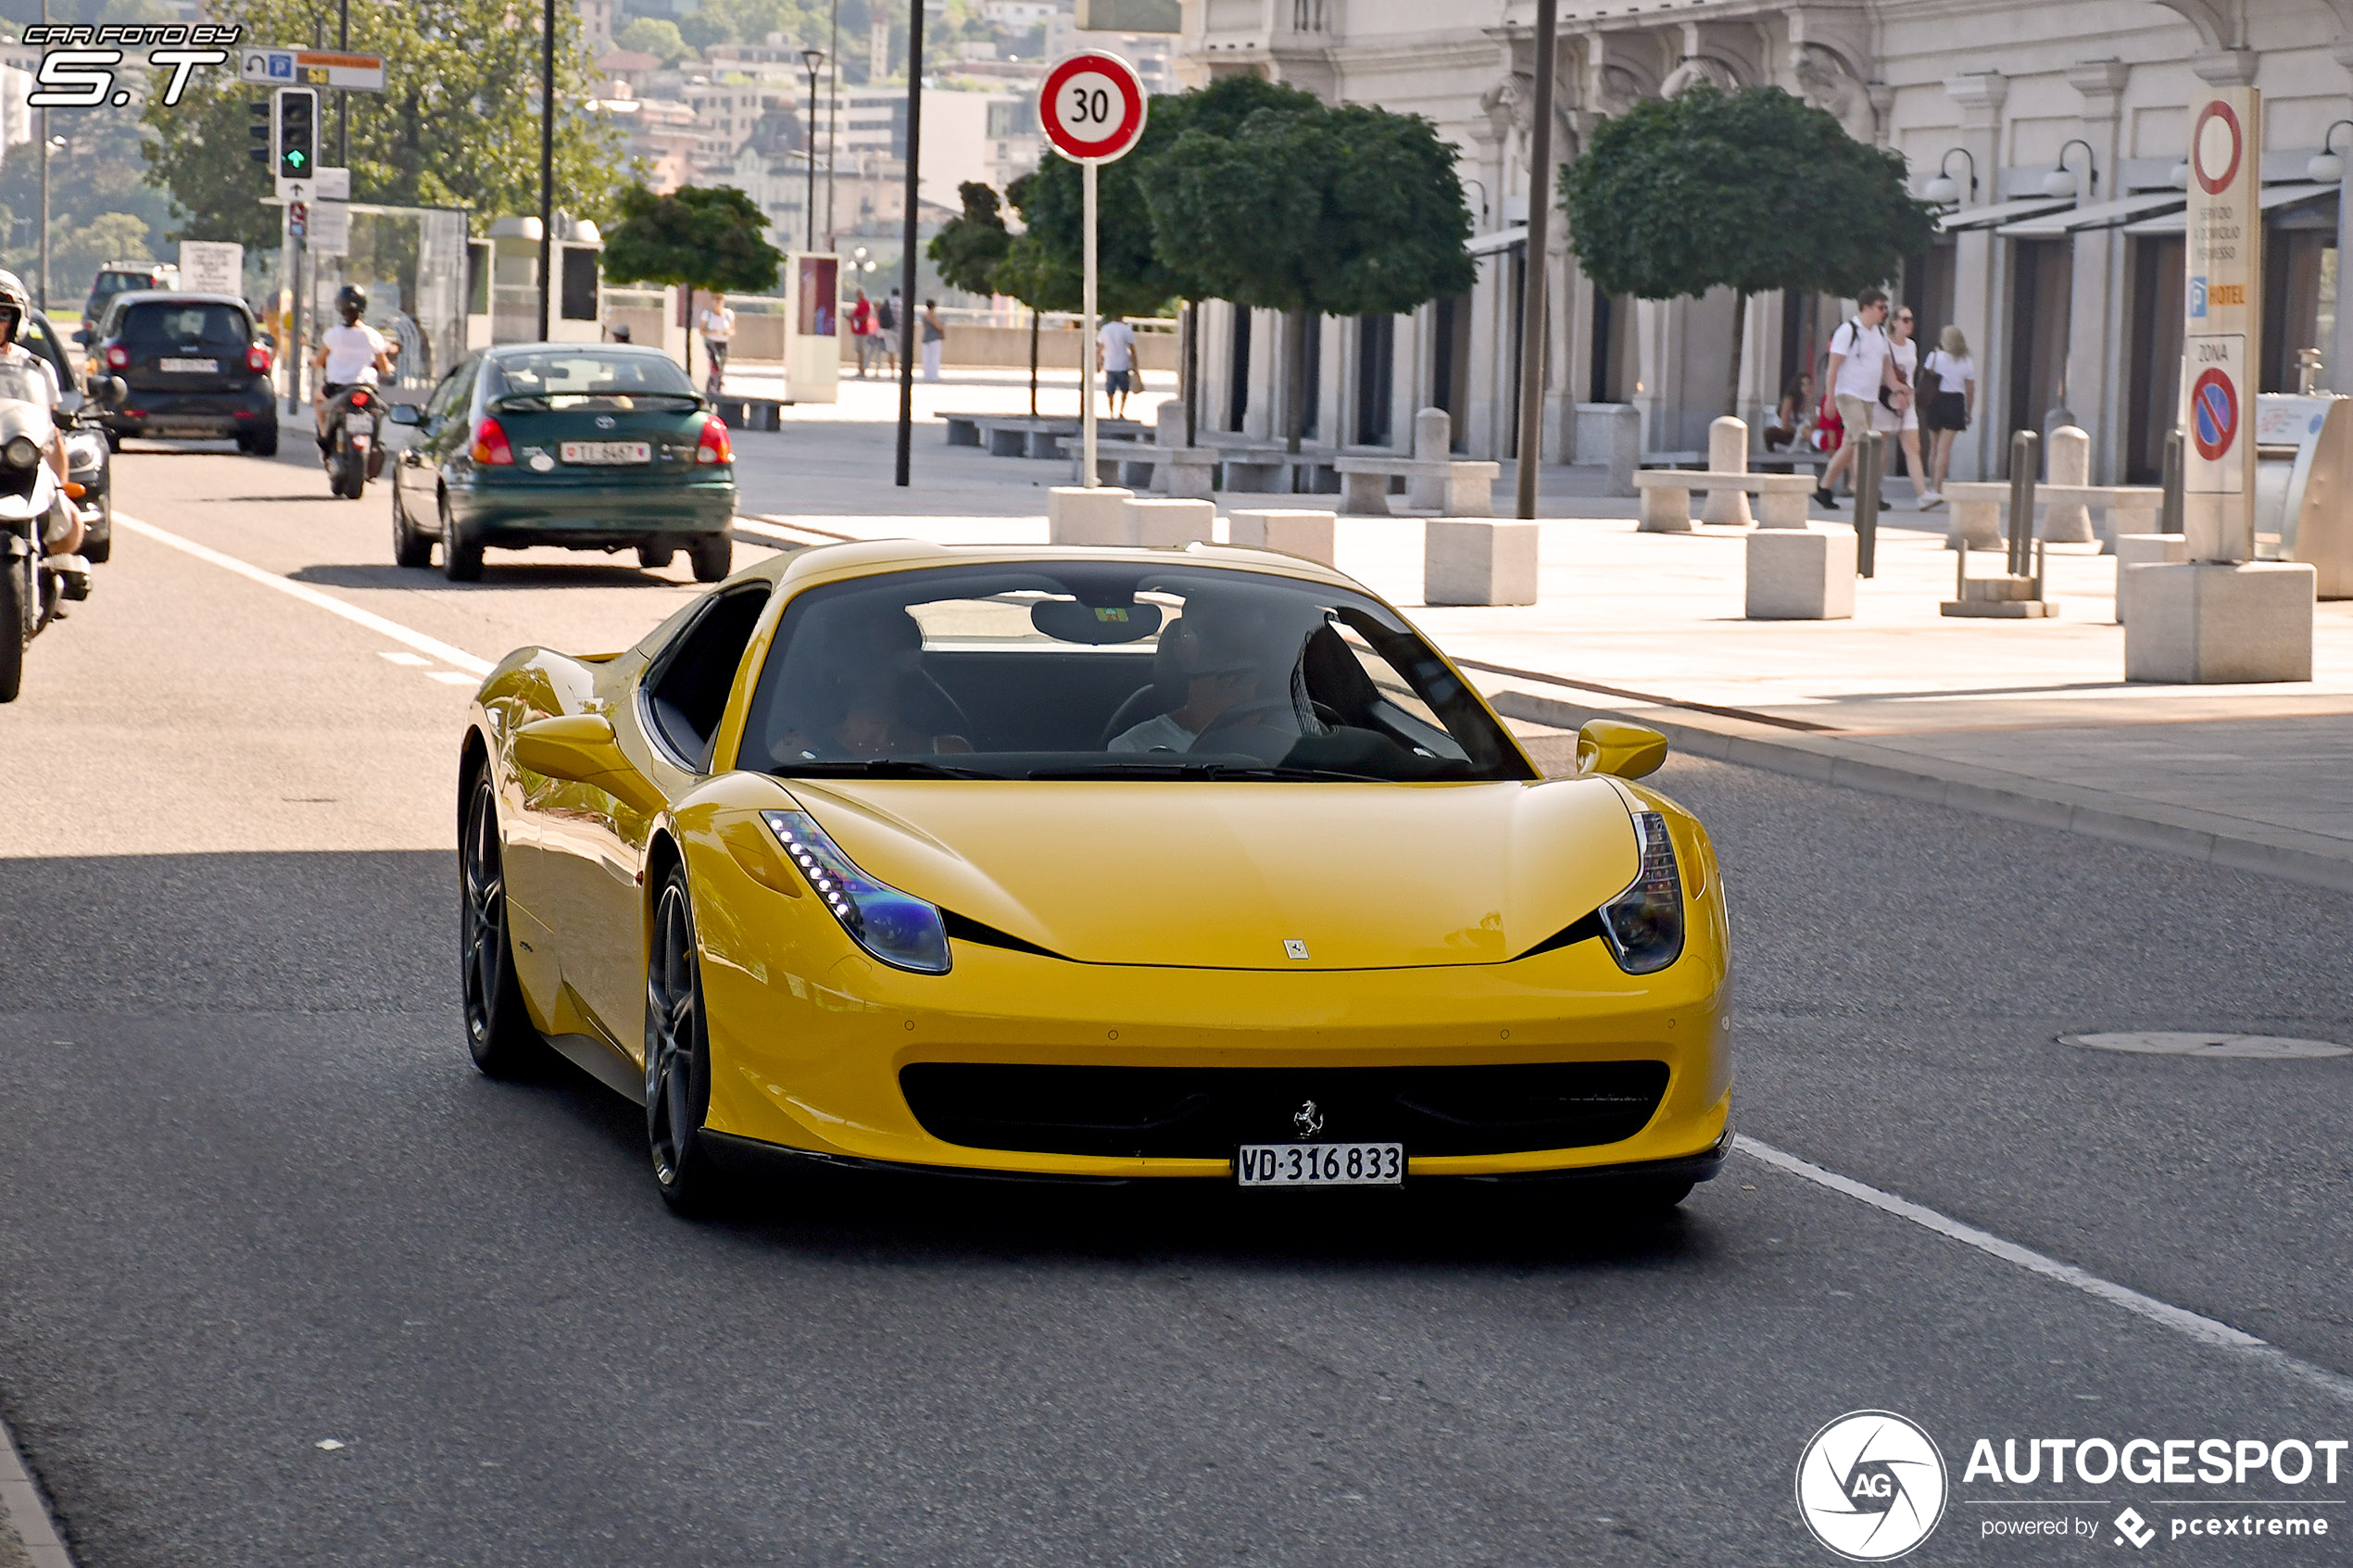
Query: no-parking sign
x=2222, y=308
x=1091, y=107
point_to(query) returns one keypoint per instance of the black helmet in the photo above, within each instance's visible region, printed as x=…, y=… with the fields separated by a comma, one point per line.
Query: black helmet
x=351, y=302
x=15, y=304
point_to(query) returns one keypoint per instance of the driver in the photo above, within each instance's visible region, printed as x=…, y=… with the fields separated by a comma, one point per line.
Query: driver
x=1228, y=655
x=28, y=372
x=352, y=355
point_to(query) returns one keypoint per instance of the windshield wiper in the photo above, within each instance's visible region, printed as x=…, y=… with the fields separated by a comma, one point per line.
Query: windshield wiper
x=879, y=767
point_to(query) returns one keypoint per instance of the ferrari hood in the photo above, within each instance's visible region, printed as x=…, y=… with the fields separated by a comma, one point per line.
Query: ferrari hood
x=1228, y=875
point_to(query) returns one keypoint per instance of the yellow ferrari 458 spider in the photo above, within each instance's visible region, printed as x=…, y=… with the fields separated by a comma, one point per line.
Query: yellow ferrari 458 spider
x=1087, y=864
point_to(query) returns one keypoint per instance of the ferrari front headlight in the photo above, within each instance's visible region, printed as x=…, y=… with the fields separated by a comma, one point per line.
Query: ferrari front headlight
x=21, y=452
x=899, y=928
x=1643, y=925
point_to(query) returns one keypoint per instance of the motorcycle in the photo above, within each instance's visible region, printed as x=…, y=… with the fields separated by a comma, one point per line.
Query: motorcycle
x=33, y=591
x=353, y=456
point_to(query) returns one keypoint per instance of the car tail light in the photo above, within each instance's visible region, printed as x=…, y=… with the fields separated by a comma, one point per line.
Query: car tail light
x=257, y=359
x=118, y=357
x=490, y=444
x=713, y=445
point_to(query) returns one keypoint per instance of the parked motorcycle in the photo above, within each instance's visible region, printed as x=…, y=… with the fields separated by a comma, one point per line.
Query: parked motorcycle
x=34, y=587
x=353, y=456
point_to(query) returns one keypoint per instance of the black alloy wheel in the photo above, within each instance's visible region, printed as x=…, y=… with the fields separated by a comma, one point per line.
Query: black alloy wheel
x=498, y=1030
x=409, y=548
x=678, y=1057
x=461, y=549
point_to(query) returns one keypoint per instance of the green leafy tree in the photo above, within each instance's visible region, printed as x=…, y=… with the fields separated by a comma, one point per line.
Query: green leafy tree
x=658, y=36
x=458, y=124
x=1315, y=211
x=975, y=251
x=1753, y=190
x=714, y=238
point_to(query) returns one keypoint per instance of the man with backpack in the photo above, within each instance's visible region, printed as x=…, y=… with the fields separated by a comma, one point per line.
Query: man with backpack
x=1862, y=361
x=889, y=318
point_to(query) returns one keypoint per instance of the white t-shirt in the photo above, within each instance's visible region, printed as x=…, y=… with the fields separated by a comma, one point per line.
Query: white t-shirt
x=351, y=353
x=1907, y=355
x=1119, y=345
x=1161, y=733
x=1954, y=371
x=1866, y=351
x=719, y=325
x=25, y=377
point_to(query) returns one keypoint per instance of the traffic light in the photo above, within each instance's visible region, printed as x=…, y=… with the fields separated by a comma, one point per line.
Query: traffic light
x=296, y=144
x=258, y=129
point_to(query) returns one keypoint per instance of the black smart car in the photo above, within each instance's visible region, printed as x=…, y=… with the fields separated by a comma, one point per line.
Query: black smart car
x=195, y=367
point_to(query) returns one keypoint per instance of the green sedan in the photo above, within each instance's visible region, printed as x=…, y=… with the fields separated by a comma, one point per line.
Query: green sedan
x=600, y=446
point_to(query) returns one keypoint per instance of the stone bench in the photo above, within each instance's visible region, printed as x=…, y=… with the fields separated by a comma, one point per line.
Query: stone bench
x=1108, y=515
x=1666, y=497
x=1980, y=510
x=1023, y=436
x=1446, y=485
x=748, y=413
x=1146, y=465
x=1290, y=530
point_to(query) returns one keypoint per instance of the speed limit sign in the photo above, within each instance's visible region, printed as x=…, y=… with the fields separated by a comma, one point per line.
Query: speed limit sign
x=1091, y=107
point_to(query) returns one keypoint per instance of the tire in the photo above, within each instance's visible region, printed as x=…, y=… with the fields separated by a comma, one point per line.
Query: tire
x=409, y=548
x=713, y=556
x=264, y=443
x=461, y=549
x=16, y=623
x=498, y=1030
x=678, y=1058
x=114, y=440
x=653, y=557
x=98, y=551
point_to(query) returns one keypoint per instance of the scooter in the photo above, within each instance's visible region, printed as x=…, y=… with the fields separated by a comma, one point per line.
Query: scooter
x=353, y=456
x=34, y=587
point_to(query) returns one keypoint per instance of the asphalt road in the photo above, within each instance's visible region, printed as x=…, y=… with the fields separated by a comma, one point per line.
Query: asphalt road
x=257, y=1200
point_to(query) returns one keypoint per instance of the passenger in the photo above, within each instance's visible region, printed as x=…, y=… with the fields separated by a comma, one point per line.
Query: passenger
x=873, y=699
x=1229, y=655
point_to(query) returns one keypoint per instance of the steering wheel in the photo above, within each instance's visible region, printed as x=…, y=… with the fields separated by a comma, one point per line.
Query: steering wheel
x=1244, y=715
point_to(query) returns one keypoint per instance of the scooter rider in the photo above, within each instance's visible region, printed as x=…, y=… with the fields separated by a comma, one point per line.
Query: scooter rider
x=27, y=377
x=352, y=355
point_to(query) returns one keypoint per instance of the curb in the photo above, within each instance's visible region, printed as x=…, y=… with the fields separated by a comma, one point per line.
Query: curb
x=21, y=1508
x=2184, y=832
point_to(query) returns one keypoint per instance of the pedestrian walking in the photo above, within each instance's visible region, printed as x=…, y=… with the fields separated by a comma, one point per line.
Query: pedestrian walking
x=862, y=332
x=1901, y=418
x=934, y=334
x=1861, y=366
x=1948, y=398
x=718, y=325
x=1115, y=356
x=890, y=321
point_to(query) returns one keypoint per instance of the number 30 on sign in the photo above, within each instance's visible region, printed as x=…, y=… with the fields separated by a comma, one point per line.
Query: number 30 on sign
x=1091, y=107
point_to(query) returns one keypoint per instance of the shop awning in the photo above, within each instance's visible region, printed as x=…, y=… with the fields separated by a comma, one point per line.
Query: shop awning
x=1998, y=214
x=1502, y=239
x=2102, y=215
x=2274, y=197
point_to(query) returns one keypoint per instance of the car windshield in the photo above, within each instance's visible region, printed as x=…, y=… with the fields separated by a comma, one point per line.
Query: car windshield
x=1106, y=670
x=154, y=327
x=573, y=378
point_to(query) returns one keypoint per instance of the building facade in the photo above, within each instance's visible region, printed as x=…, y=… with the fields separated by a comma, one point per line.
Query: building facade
x=2060, y=125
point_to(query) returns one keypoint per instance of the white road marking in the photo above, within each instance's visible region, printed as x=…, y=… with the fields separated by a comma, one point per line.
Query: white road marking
x=415, y=661
x=20, y=1508
x=456, y=678
x=785, y=533
x=444, y=652
x=2205, y=1329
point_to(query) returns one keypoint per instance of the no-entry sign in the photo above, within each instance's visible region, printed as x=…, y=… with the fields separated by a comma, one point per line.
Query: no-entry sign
x=1091, y=107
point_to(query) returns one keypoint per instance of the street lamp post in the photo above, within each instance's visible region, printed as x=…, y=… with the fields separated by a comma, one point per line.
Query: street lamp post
x=812, y=58
x=42, y=281
x=547, y=167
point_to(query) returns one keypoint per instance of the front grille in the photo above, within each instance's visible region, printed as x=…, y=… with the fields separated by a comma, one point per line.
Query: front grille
x=1203, y=1112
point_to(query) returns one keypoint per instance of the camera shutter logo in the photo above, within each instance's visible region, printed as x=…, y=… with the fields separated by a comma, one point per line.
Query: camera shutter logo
x=1871, y=1486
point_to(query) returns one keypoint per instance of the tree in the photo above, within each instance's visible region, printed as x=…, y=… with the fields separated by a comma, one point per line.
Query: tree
x=976, y=253
x=1316, y=211
x=712, y=238
x=1753, y=190
x=658, y=36
x=458, y=124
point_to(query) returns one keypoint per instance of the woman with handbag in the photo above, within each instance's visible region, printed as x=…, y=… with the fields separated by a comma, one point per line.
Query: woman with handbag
x=1948, y=397
x=1897, y=413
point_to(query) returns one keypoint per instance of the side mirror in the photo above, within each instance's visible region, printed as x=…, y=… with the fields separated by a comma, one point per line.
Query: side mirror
x=580, y=748
x=1626, y=751
x=406, y=414
x=114, y=393
x=82, y=336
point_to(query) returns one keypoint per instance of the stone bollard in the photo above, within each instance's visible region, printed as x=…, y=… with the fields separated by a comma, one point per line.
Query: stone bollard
x=1801, y=573
x=1170, y=429
x=1290, y=530
x=1611, y=434
x=2068, y=462
x=1159, y=524
x=1433, y=443
x=1478, y=561
x=1727, y=453
x=1077, y=515
x=2142, y=549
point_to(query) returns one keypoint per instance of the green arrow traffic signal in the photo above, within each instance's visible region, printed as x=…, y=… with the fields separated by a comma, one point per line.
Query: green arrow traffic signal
x=297, y=143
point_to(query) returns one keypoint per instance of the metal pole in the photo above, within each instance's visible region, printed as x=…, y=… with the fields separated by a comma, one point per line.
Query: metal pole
x=1086, y=337
x=294, y=323
x=547, y=172
x=905, y=329
x=1866, y=484
x=833, y=126
x=2025, y=449
x=812, y=151
x=343, y=94
x=2168, y=517
x=1192, y=369
x=1540, y=212
x=42, y=281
